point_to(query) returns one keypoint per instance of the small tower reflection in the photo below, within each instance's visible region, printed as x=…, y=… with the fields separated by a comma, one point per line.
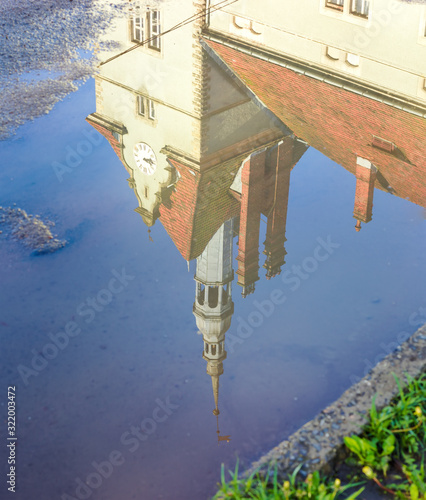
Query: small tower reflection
x=262, y=187
x=213, y=306
x=365, y=179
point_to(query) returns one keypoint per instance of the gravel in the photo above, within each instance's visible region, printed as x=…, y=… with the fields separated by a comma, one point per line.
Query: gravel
x=47, y=51
x=33, y=232
x=323, y=436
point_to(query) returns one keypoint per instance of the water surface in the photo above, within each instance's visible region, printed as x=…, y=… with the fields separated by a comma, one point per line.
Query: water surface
x=341, y=301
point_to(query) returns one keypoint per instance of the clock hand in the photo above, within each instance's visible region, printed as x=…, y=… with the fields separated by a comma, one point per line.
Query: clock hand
x=148, y=160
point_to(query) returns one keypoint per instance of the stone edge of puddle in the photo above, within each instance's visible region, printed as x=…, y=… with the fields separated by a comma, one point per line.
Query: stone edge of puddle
x=318, y=445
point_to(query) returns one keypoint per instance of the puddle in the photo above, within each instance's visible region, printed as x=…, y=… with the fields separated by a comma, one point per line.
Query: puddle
x=245, y=240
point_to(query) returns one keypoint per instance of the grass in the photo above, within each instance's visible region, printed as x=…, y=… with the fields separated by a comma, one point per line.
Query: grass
x=389, y=453
x=256, y=487
x=391, y=449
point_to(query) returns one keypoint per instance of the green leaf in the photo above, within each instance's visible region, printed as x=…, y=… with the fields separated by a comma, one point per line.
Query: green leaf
x=373, y=410
x=356, y=494
x=414, y=492
x=351, y=444
x=389, y=445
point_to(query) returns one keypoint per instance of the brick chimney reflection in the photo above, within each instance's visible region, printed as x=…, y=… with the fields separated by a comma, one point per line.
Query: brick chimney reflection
x=365, y=179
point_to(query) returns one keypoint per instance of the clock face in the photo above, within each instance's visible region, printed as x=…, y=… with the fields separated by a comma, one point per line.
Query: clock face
x=145, y=158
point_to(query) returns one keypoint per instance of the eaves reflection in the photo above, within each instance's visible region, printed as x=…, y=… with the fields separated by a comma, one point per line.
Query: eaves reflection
x=210, y=122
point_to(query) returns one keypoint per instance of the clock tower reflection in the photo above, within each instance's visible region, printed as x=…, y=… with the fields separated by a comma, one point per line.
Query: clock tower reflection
x=213, y=306
x=206, y=161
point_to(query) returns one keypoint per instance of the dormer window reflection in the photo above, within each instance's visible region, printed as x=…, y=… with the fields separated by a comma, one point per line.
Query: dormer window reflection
x=154, y=30
x=146, y=107
x=360, y=7
x=141, y=105
x=151, y=109
x=335, y=4
x=146, y=27
x=138, y=27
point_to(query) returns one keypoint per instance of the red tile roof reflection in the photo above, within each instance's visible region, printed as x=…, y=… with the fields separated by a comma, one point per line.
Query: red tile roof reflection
x=199, y=206
x=339, y=123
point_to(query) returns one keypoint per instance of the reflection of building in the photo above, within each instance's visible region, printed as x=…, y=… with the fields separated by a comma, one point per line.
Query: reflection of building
x=262, y=187
x=167, y=107
x=201, y=131
x=369, y=44
x=342, y=77
x=371, y=136
x=184, y=150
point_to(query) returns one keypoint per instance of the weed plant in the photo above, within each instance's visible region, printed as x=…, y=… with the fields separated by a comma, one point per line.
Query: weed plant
x=257, y=487
x=395, y=439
